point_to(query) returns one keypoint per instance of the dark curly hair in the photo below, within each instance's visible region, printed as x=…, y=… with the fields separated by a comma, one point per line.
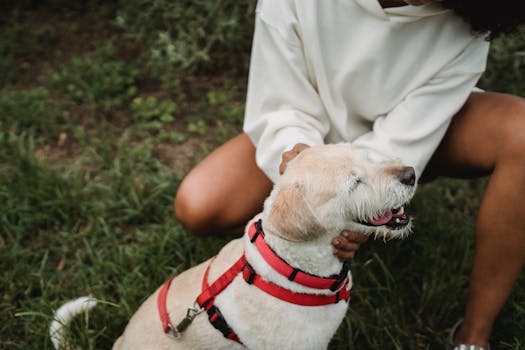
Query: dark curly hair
x=489, y=17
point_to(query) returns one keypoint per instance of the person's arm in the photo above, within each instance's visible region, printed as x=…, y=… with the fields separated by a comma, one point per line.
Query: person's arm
x=283, y=107
x=414, y=128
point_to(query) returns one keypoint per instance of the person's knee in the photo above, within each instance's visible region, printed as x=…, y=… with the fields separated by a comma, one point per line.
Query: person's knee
x=219, y=204
x=513, y=139
x=191, y=212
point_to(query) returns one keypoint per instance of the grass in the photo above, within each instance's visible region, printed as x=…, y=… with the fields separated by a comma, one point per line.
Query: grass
x=107, y=232
x=93, y=147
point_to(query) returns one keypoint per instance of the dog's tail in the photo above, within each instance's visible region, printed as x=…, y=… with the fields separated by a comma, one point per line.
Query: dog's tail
x=63, y=317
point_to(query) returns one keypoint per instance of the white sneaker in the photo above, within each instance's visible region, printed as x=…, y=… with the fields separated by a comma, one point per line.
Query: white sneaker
x=451, y=336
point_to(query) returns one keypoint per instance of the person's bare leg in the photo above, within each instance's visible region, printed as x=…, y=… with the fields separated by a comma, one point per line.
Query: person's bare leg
x=224, y=191
x=488, y=135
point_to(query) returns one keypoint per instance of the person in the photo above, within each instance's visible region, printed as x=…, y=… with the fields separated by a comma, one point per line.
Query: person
x=399, y=77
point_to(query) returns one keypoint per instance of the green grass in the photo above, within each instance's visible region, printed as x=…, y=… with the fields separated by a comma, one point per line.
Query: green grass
x=86, y=193
x=108, y=232
x=101, y=82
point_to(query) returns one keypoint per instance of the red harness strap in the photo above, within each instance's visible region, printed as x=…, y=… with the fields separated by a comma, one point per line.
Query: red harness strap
x=206, y=299
x=303, y=299
x=161, y=305
x=209, y=292
x=306, y=279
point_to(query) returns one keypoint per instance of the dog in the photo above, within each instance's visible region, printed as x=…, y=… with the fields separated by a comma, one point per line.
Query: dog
x=280, y=285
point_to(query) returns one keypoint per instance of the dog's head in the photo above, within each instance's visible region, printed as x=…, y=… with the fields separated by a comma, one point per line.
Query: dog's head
x=330, y=188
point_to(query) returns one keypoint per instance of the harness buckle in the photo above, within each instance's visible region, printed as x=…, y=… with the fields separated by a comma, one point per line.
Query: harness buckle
x=219, y=322
x=339, y=283
x=341, y=279
x=258, y=231
x=172, y=332
x=175, y=332
x=248, y=273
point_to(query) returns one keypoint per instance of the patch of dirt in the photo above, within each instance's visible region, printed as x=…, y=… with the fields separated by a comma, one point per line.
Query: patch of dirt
x=63, y=152
x=181, y=157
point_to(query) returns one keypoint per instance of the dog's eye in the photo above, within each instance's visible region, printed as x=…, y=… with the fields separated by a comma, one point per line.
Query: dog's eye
x=354, y=179
x=355, y=182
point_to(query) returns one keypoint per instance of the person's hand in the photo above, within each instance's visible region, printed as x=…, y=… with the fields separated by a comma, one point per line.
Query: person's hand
x=291, y=154
x=347, y=243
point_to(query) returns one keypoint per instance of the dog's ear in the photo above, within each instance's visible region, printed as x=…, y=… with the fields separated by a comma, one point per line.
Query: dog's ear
x=291, y=216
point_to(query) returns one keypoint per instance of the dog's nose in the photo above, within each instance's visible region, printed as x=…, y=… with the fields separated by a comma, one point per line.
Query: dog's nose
x=408, y=176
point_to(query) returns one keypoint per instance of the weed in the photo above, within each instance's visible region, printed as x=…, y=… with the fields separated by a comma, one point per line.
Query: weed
x=19, y=47
x=198, y=127
x=149, y=108
x=222, y=107
x=506, y=65
x=101, y=82
x=181, y=36
x=226, y=103
x=29, y=110
x=154, y=117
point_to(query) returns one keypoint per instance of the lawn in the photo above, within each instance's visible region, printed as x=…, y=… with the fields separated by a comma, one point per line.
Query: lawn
x=106, y=105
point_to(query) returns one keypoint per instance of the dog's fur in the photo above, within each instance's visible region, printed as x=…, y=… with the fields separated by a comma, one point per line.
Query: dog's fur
x=324, y=190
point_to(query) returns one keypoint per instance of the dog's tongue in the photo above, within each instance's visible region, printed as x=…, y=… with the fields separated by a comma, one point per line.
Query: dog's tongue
x=383, y=219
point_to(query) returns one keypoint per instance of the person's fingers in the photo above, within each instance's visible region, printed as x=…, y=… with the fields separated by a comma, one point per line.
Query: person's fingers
x=354, y=236
x=342, y=244
x=344, y=250
x=291, y=154
x=347, y=243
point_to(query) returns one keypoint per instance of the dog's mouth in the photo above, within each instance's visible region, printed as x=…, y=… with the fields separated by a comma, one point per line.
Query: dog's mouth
x=393, y=219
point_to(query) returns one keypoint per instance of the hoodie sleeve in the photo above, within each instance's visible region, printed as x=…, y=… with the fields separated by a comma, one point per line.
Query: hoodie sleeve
x=283, y=106
x=413, y=130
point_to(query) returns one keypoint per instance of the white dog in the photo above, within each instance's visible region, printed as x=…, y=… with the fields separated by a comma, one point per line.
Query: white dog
x=280, y=286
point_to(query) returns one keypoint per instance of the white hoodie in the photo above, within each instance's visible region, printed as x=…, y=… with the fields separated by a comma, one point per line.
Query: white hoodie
x=327, y=71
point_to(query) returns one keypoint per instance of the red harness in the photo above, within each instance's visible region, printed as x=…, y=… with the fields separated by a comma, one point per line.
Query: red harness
x=305, y=279
x=206, y=300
